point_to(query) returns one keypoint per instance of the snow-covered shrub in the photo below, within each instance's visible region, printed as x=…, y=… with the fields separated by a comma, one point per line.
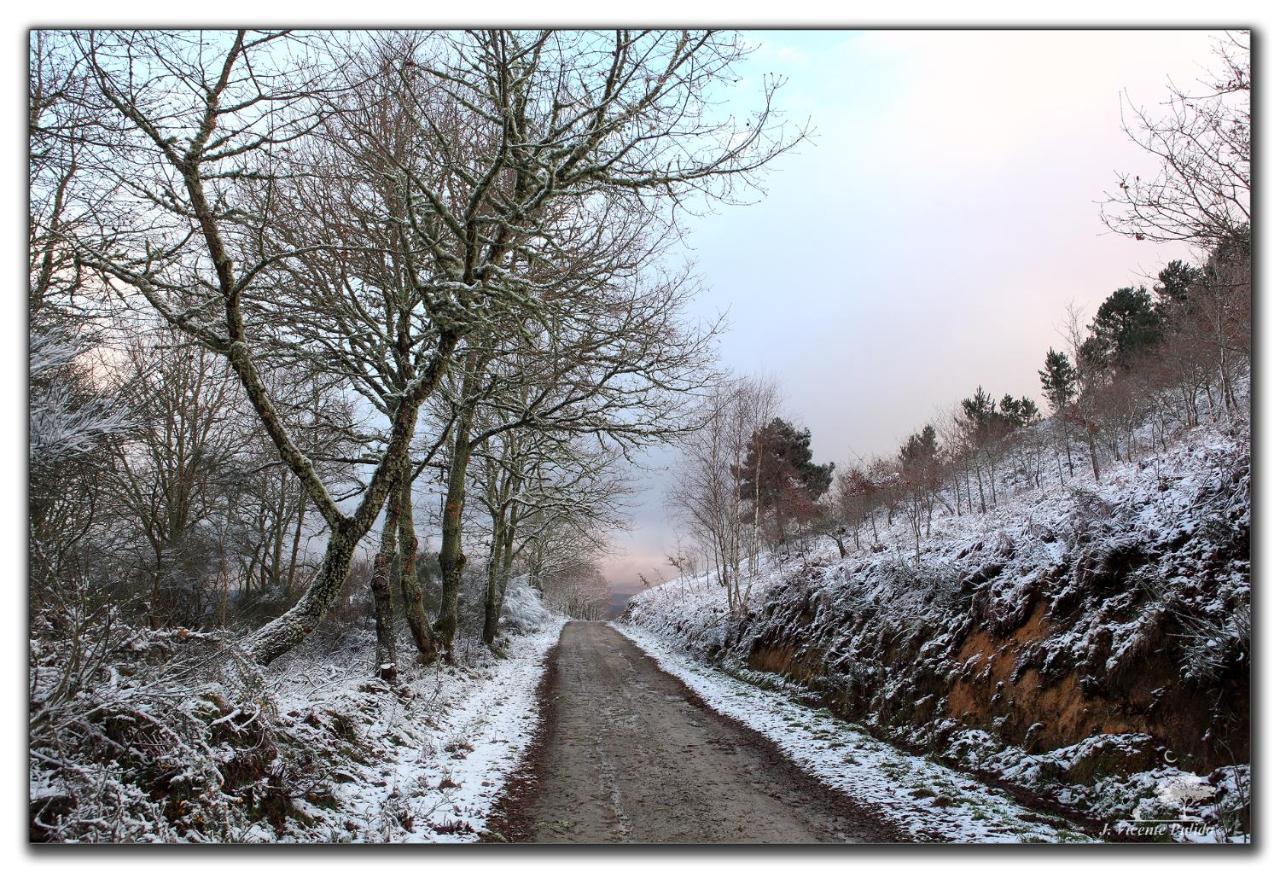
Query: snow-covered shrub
x=1215, y=644
x=523, y=610
x=66, y=419
x=141, y=735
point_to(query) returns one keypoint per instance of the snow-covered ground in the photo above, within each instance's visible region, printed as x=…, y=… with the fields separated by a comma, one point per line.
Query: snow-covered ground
x=311, y=749
x=438, y=752
x=926, y=801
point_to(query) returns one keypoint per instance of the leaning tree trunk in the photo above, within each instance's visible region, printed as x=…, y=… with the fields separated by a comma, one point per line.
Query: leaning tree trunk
x=345, y=532
x=281, y=634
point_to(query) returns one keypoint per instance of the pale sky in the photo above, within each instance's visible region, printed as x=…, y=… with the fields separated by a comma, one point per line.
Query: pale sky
x=930, y=236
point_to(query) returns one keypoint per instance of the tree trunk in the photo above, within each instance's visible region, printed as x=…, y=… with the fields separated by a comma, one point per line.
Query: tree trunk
x=492, y=596
x=285, y=631
x=1066, y=444
x=452, y=560
x=507, y=559
x=297, y=542
x=410, y=587
x=1093, y=458
x=280, y=635
x=380, y=585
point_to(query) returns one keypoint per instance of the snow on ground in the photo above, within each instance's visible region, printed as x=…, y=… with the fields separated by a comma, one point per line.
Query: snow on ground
x=427, y=762
x=928, y=802
x=1158, y=498
x=179, y=739
x=436, y=755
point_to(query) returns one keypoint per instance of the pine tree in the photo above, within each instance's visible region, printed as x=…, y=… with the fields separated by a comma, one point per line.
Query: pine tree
x=1059, y=381
x=987, y=424
x=1125, y=325
x=1173, y=288
x=779, y=476
x=979, y=409
x=1017, y=413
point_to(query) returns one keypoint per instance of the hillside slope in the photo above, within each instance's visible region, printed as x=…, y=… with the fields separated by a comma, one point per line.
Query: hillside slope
x=1089, y=644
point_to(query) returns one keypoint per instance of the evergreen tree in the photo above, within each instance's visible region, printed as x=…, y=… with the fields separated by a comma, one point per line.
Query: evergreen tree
x=1018, y=413
x=979, y=410
x=1125, y=325
x=779, y=476
x=1173, y=287
x=1060, y=382
x=920, y=447
x=987, y=424
x=783, y=452
x=1058, y=379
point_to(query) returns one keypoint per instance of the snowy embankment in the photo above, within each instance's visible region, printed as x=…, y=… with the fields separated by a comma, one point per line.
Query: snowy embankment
x=926, y=801
x=1088, y=644
x=207, y=748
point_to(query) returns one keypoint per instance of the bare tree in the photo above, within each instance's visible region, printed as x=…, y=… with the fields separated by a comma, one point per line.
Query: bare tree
x=172, y=470
x=920, y=473
x=529, y=145
x=1203, y=143
x=610, y=361
x=715, y=461
x=579, y=589
x=530, y=482
x=1084, y=412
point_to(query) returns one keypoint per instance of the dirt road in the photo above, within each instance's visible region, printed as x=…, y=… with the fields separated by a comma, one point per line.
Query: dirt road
x=629, y=754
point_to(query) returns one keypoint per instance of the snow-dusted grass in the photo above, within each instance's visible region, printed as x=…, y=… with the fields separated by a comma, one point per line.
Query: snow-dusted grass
x=927, y=801
x=439, y=751
x=177, y=739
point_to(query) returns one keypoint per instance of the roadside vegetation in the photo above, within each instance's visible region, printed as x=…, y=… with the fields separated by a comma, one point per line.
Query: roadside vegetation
x=339, y=333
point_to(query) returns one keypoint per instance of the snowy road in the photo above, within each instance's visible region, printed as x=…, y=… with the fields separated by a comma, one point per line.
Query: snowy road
x=631, y=755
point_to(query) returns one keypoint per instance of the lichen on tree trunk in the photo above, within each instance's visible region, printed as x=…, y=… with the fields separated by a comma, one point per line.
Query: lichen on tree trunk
x=281, y=634
x=385, y=666
x=452, y=560
x=410, y=587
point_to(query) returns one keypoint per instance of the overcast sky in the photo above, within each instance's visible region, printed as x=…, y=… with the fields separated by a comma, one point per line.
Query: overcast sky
x=930, y=236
